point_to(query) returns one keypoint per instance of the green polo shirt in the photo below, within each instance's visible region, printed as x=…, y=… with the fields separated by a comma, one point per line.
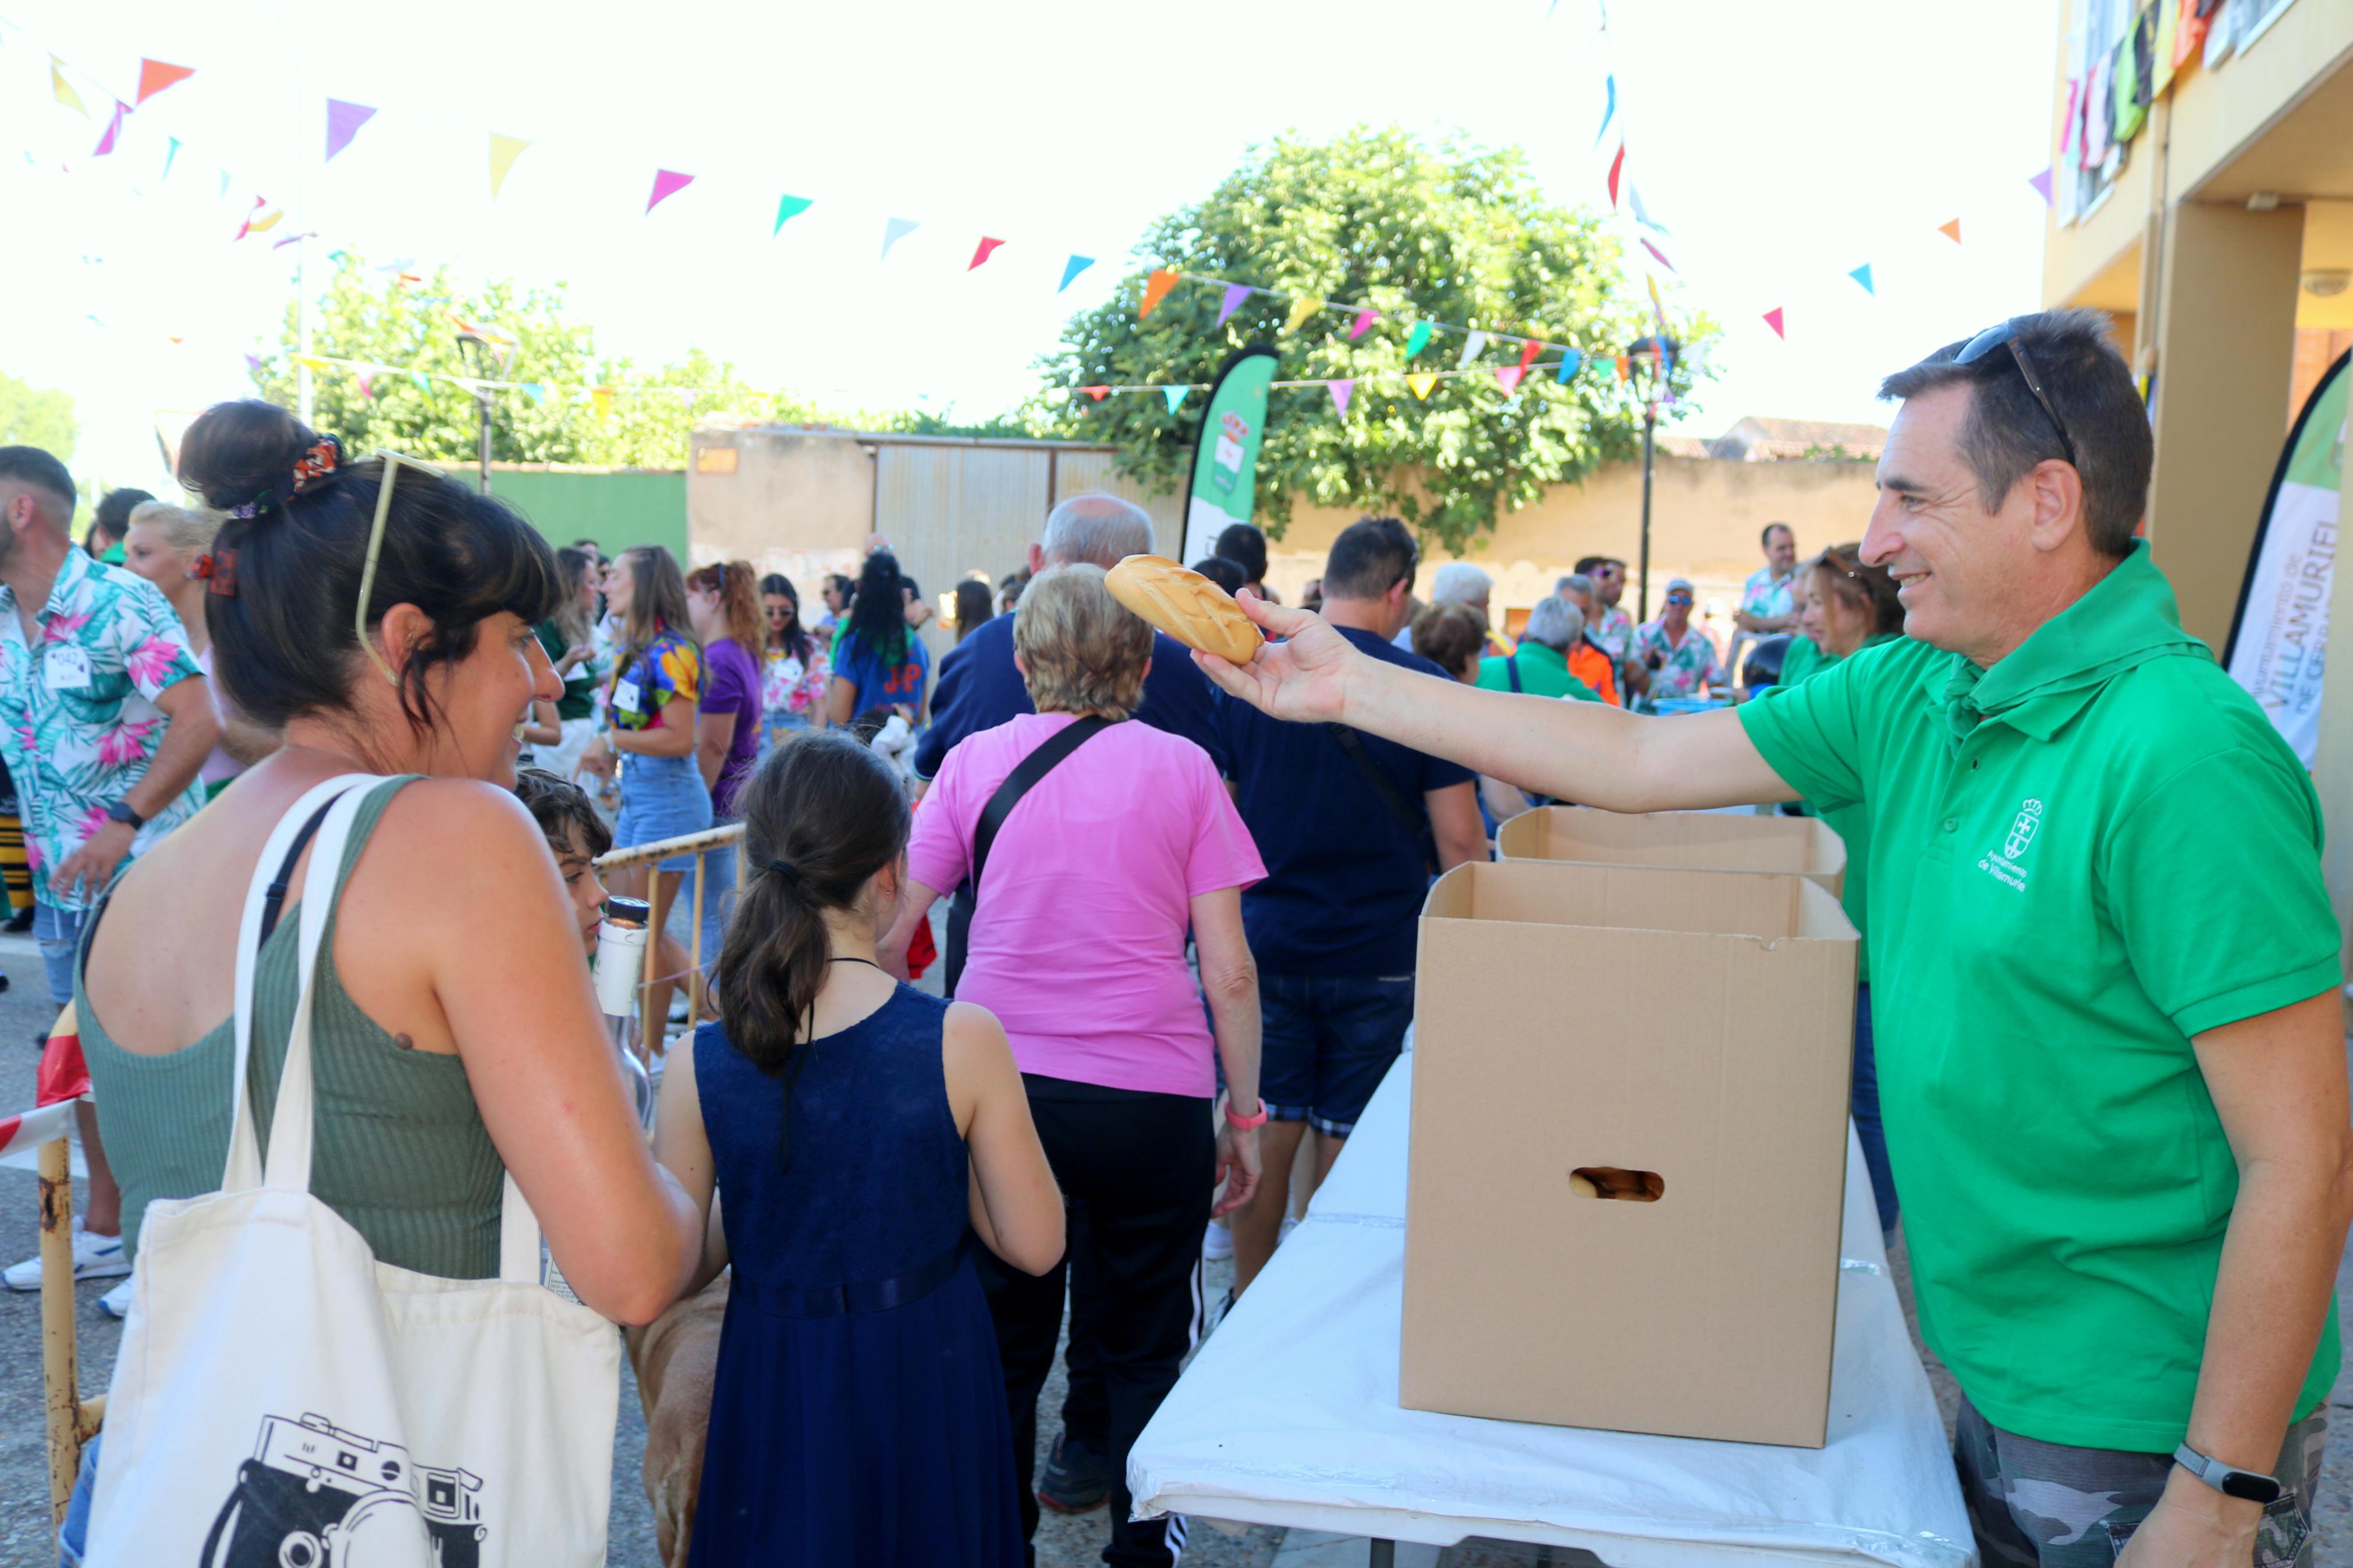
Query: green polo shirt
x=1801, y=658
x=1543, y=672
x=2094, y=851
x=1850, y=823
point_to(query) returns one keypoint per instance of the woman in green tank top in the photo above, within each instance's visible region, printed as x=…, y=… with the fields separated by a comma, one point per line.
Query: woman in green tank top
x=455, y=1033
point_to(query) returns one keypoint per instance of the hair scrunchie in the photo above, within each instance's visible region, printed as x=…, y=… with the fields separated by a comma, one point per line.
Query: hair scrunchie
x=324, y=457
x=783, y=869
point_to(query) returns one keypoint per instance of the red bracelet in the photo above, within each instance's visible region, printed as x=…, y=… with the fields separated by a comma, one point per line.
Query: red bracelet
x=1246, y=1123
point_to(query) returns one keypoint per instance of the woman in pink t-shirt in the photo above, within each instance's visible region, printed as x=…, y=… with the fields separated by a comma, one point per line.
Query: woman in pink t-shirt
x=1078, y=946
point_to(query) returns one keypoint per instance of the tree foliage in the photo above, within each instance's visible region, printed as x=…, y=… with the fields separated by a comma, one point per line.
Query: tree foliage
x=406, y=324
x=36, y=416
x=1453, y=234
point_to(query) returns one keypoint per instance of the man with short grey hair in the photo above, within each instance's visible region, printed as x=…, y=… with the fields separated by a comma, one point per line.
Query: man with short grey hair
x=1460, y=583
x=1540, y=664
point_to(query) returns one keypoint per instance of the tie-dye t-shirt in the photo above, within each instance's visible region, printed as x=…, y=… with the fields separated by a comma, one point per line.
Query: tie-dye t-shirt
x=670, y=669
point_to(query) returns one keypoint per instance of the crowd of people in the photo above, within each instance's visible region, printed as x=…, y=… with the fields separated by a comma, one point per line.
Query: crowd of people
x=2106, y=1076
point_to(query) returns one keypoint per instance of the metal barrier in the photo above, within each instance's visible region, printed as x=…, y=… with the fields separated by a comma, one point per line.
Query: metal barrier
x=651, y=854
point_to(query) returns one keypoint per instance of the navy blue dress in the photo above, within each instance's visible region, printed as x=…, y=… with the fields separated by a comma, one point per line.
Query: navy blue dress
x=857, y=1414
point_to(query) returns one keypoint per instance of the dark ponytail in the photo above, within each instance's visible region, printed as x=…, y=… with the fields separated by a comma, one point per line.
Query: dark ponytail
x=821, y=815
x=286, y=566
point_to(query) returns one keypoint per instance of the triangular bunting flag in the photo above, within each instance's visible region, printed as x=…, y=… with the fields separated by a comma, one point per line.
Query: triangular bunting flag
x=1176, y=397
x=63, y=90
x=896, y=229
x=1071, y=268
x=1609, y=109
x=1417, y=339
x=114, y=130
x=1473, y=346
x=1660, y=256
x=1509, y=375
x=602, y=397
x=343, y=122
x=1569, y=360
x=983, y=251
x=1528, y=352
x=1155, y=289
x=253, y=222
x=292, y=239
x=1642, y=215
x=170, y=152
x=1862, y=276
x=224, y=190
x=1364, y=324
x=154, y=76
x=1951, y=231
x=1097, y=392
x=788, y=208
x=1301, y=309
x=1235, y=294
x=504, y=151
x=2042, y=184
x=424, y=382
x=668, y=182
x=1421, y=383
x=1622, y=367
x=1617, y=165
x=1773, y=319
x=367, y=387
x=535, y=390
x=253, y=362
x=1341, y=391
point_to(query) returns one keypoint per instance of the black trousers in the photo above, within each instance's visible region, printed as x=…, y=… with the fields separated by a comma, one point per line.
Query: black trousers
x=1137, y=1171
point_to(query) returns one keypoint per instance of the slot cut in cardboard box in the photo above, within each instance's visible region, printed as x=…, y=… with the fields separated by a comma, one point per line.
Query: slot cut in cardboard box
x=1628, y=1150
x=1697, y=841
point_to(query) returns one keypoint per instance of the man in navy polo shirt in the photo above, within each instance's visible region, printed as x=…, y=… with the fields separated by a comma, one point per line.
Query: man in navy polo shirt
x=1351, y=828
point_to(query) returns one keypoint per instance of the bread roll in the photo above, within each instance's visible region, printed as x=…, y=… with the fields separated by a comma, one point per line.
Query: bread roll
x=1185, y=605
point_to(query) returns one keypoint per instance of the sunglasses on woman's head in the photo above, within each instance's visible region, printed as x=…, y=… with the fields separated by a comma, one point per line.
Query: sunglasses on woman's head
x=2006, y=336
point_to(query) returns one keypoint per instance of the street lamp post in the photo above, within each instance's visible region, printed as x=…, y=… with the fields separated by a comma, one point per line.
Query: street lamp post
x=489, y=359
x=1661, y=354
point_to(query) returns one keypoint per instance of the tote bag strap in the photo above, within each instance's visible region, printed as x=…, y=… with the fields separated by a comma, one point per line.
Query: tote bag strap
x=287, y=1167
x=243, y=1171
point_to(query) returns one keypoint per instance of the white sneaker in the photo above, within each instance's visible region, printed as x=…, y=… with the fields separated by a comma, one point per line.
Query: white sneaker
x=116, y=1302
x=95, y=1257
x=1219, y=1245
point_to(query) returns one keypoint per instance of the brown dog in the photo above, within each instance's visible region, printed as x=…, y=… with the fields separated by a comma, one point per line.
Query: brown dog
x=675, y=1358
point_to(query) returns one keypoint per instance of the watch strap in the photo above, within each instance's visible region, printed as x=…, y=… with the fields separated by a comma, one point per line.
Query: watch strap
x=121, y=810
x=2252, y=1486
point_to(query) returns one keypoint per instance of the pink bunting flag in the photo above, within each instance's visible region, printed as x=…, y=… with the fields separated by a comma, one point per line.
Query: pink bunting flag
x=1341, y=391
x=1773, y=319
x=1097, y=392
x=1661, y=256
x=986, y=248
x=1617, y=165
x=1235, y=294
x=1365, y=320
x=668, y=182
x=343, y=122
x=114, y=130
x=1528, y=352
x=1509, y=375
x=367, y=387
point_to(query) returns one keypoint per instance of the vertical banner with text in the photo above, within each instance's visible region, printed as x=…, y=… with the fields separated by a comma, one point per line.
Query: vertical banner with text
x=1225, y=452
x=2279, y=638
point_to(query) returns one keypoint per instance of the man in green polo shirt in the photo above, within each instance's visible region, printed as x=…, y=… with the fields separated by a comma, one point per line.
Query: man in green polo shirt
x=1539, y=664
x=2106, y=971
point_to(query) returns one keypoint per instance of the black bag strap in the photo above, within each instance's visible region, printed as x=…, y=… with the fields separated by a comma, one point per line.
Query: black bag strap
x=1511, y=669
x=1020, y=781
x=1416, y=823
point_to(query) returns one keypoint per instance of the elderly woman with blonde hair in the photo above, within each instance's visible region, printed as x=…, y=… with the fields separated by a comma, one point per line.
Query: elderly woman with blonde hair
x=1093, y=845
x=171, y=546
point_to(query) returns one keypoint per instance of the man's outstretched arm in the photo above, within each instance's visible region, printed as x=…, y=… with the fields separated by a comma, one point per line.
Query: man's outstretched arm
x=1585, y=752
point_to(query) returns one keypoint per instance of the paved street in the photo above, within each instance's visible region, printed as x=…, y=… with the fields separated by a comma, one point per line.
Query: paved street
x=25, y=1541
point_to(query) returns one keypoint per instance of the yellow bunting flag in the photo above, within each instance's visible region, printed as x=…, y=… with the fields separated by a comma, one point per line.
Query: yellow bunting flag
x=504, y=151
x=1300, y=311
x=64, y=90
x=1421, y=384
x=603, y=397
x=1155, y=289
x=310, y=362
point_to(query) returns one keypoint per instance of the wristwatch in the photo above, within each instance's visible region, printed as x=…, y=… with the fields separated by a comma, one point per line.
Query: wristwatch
x=121, y=812
x=2252, y=1485
x=1246, y=1123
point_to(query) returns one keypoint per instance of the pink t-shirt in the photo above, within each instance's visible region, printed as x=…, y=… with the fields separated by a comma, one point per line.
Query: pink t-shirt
x=1078, y=938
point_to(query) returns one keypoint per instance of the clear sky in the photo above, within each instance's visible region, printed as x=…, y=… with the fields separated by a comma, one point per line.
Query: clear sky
x=1781, y=146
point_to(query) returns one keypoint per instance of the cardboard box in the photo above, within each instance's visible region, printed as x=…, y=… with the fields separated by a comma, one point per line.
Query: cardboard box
x=1690, y=1028
x=1700, y=840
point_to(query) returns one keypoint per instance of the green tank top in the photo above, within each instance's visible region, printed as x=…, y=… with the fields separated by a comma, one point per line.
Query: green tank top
x=399, y=1150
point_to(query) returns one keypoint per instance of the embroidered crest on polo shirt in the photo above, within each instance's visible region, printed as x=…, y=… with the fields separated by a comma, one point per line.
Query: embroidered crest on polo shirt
x=2004, y=868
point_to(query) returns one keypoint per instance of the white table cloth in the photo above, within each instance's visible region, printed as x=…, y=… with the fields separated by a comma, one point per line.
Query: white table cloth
x=1289, y=1416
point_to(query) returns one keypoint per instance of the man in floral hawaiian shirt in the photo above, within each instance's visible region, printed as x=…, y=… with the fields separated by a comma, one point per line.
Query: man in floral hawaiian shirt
x=105, y=720
x=1680, y=656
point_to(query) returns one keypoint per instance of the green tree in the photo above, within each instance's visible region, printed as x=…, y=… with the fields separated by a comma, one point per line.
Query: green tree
x=409, y=332
x=1453, y=234
x=36, y=416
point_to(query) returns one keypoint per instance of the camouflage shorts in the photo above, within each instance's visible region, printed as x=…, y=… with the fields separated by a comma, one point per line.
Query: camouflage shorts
x=2044, y=1505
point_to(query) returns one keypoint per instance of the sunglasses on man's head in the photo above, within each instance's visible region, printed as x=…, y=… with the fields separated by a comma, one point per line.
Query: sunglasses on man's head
x=2006, y=336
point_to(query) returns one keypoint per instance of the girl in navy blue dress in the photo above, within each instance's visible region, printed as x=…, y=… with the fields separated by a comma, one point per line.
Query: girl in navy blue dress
x=863, y=1138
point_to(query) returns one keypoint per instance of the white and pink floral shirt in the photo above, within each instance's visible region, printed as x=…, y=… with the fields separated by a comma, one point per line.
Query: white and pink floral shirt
x=79, y=723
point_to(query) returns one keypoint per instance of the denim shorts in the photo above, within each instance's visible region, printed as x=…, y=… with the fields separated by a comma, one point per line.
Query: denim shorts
x=661, y=797
x=1327, y=1041
x=59, y=934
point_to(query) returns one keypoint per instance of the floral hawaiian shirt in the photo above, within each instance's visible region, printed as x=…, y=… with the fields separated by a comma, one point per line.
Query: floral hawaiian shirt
x=670, y=667
x=788, y=686
x=1766, y=597
x=1682, y=670
x=1613, y=633
x=78, y=724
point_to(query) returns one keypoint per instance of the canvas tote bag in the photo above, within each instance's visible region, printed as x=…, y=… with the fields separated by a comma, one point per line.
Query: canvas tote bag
x=283, y=1399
